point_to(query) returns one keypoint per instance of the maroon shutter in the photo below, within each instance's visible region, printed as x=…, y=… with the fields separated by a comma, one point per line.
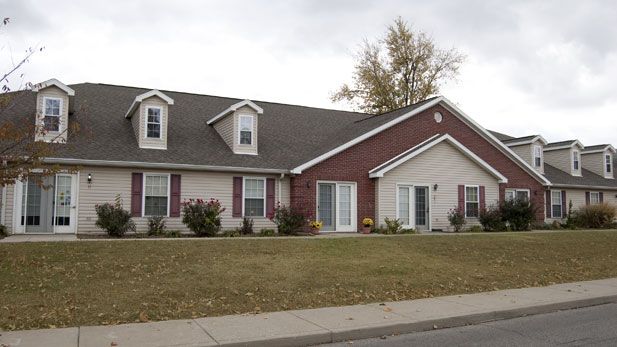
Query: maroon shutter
x=237, y=197
x=548, y=204
x=137, y=181
x=601, y=197
x=564, y=212
x=269, y=197
x=461, y=198
x=174, y=204
x=482, y=198
x=587, y=198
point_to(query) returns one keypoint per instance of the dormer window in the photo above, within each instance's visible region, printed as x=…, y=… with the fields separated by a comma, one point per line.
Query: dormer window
x=608, y=159
x=246, y=130
x=537, y=156
x=575, y=160
x=51, y=114
x=153, y=123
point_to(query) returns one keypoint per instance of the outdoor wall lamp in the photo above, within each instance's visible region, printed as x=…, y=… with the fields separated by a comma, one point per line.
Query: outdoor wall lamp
x=435, y=186
x=89, y=178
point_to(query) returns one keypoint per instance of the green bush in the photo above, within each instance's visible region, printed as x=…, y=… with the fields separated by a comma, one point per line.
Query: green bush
x=288, y=220
x=231, y=233
x=491, y=219
x=456, y=217
x=246, y=227
x=201, y=217
x=113, y=218
x=517, y=214
x=267, y=232
x=156, y=226
x=595, y=216
x=393, y=226
x=173, y=233
x=3, y=232
x=408, y=231
x=474, y=229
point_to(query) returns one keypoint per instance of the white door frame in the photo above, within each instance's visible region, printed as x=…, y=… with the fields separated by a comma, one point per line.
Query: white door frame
x=17, y=205
x=354, y=206
x=412, y=202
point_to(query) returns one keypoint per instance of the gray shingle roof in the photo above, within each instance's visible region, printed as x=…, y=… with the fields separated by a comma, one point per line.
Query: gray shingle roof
x=501, y=137
x=518, y=139
x=289, y=135
x=560, y=143
x=595, y=147
x=588, y=178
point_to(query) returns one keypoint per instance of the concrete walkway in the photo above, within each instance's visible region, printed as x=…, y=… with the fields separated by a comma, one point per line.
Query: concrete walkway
x=39, y=238
x=332, y=324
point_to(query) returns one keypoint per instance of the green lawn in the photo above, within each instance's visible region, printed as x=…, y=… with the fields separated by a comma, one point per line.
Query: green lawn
x=85, y=283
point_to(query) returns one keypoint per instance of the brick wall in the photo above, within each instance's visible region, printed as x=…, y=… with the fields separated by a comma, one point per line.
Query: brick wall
x=354, y=163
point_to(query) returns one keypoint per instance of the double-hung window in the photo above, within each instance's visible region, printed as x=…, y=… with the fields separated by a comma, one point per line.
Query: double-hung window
x=519, y=194
x=153, y=122
x=609, y=163
x=404, y=205
x=594, y=198
x=575, y=160
x=254, y=197
x=156, y=195
x=537, y=156
x=556, y=204
x=472, y=201
x=51, y=114
x=245, y=129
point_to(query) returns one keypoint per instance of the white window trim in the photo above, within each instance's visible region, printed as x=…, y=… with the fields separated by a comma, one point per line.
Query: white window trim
x=516, y=190
x=591, y=200
x=466, y=201
x=252, y=129
x=160, y=122
x=534, y=156
x=412, y=217
x=578, y=160
x=610, y=163
x=143, y=192
x=560, y=204
x=244, y=197
x=354, y=205
x=60, y=123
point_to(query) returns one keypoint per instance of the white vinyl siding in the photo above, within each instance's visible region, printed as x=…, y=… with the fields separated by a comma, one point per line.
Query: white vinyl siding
x=54, y=114
x=556, y=204
x=254, y=197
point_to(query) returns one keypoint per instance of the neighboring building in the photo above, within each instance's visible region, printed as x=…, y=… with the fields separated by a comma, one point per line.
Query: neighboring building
x=157, y=148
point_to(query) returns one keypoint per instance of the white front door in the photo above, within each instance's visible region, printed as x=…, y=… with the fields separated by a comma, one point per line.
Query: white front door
x=336, y=206
x=65, y=204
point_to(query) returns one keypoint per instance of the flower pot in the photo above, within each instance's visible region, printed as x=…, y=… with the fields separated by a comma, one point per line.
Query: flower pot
x=366, y=229
x=314, y=231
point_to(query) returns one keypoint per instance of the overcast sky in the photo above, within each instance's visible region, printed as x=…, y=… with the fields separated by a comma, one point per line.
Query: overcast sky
x=547, y=67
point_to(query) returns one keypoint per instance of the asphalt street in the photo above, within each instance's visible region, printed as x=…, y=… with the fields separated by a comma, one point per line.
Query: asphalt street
x=591, y=326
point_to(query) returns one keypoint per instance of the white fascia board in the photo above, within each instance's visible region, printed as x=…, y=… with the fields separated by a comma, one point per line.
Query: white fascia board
x=234, y=108
x=299, y=169
x=144, y=96
x=468, y=153
x=168, y=166
x=527, y=142
x=581, y=186
x=54, y=82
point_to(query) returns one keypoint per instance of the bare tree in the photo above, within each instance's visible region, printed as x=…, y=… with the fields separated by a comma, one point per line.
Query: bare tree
x=401, y=69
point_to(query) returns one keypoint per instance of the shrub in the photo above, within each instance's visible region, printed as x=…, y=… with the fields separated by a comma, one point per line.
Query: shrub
x=202, y=218
x=3, y=232
x=595, y=216
x=456, y=217
x=474, y=229
x=556, y=225
x=393, y=226
x=518, y=214
x=231, y=233
x=491, y=219
x=246, y=227
x=408, y=231
x=113, y=218
x=173, y=233
x=267, y=232
x=288, y=221
x=156, y=225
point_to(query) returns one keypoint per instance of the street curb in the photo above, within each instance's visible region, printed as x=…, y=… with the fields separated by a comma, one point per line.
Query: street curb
x=419, y=326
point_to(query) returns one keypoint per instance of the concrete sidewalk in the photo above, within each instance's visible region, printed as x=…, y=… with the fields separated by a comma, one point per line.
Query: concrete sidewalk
x=315, y=326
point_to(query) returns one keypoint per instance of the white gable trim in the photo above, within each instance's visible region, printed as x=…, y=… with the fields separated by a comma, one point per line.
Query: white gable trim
x=423, y=147
x=528, y=142
x=144, y=96
x=54, y=82
x=609, y=148
x=575, y=143
x=457, y=112
x=234, y=108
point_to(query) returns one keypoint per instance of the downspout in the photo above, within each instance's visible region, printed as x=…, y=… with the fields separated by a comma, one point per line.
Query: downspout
x=280, y=186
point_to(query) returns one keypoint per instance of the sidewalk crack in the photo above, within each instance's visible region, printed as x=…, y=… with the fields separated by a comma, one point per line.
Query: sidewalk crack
x=205, y=331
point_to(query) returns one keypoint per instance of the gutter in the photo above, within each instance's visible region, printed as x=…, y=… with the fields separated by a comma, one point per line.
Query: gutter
x=578, y=186
x=191, y=167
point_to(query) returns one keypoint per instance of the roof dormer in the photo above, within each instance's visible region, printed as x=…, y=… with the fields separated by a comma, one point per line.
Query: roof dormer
x=565, y=155
x=599, y=160
x=149, y=114
x=52, y=111
x=529, y=148
x=238, y=126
